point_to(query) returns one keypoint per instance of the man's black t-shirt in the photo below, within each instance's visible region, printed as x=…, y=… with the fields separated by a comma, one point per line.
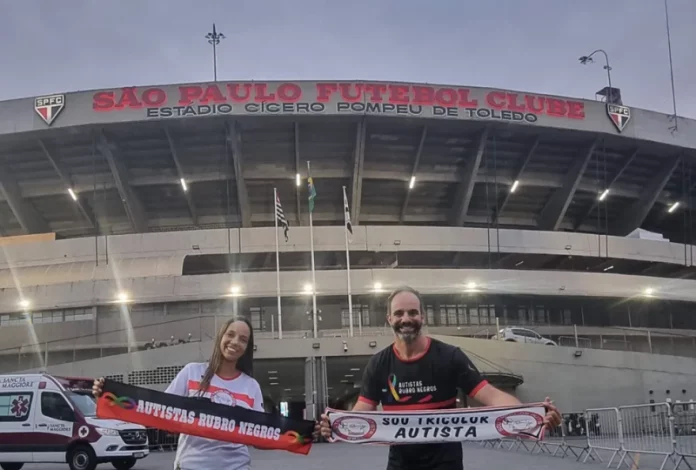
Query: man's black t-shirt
x=426, y=382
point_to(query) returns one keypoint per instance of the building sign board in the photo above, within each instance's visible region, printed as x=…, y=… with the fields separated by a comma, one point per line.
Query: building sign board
x=335, y=98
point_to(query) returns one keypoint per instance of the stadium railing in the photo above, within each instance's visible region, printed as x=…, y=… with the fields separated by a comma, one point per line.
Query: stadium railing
x=622, y=435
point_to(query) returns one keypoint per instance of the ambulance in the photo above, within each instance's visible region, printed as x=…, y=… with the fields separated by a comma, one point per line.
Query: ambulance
x=46, y=419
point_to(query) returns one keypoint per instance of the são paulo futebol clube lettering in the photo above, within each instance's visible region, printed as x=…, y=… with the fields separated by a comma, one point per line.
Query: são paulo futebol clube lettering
x=207, y=421
x=434, y=427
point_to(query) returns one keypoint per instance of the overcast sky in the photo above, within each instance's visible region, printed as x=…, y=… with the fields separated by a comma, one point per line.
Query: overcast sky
x=49, y=46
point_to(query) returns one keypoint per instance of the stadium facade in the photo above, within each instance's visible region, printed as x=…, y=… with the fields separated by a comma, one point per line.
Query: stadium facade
x=137, y=219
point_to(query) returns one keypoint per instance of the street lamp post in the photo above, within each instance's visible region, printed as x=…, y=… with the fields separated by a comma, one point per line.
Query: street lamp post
x=588, y=59
x=214, y=39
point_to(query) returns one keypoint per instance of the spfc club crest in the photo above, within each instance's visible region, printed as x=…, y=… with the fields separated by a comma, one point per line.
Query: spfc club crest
x=49, y=107
x=619, y=115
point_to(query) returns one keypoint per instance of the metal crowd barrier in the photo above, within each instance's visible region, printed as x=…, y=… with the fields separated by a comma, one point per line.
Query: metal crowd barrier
x=623, y=434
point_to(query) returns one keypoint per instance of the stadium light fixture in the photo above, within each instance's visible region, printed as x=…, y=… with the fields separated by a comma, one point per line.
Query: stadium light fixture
x=122, y=297
x=214, y=39
x=72, y=194
x=183, y=184
x=608, y=268
x=24, y=303
x=235, y=290
x=308, y=288
x=412, y=183
x=604, y=194
x=587, y=59
x=514, y=186
x=298, y=180
x=673, y=207
x=471, y=286
x=649, y=291
x=378, y=286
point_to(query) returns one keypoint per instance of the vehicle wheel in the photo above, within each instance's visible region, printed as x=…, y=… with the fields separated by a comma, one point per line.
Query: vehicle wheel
x=123, y=464
x=82, y=458
x=11, y=466
x=511, y=340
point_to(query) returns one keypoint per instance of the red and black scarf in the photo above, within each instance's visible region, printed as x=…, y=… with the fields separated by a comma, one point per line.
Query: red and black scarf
x=203, y=418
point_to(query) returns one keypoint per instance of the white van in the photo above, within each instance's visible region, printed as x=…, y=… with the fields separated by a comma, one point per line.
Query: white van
x=53, y=419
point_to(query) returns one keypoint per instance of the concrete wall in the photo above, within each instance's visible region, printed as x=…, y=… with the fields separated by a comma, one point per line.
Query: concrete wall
x=595, y=379
x=333, y=282
x=170, y=248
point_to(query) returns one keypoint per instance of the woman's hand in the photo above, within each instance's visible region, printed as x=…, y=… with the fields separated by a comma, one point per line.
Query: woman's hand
x=97, y=387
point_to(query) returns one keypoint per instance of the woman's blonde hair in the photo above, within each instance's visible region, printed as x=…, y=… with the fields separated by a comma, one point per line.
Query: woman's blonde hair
x=244, y=364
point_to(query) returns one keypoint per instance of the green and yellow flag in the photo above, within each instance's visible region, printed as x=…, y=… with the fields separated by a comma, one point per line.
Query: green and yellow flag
x=312, y=193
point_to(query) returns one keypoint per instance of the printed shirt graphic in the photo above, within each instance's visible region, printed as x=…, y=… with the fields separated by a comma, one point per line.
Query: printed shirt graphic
x=195, y=452
x=428, y=382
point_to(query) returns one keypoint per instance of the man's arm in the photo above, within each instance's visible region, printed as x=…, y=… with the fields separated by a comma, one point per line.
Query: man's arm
x=488, y=395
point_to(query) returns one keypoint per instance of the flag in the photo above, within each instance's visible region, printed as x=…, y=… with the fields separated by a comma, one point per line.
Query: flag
x=280, y=215
x=346, y=212
x=312, y=193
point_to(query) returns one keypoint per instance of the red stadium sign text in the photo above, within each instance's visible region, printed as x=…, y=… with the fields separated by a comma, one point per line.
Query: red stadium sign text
x=336, y=98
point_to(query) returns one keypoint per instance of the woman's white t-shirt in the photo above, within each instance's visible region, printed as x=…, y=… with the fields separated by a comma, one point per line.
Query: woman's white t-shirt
x=198, y=453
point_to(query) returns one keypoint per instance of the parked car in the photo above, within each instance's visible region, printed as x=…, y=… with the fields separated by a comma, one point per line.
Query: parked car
x=522, y=335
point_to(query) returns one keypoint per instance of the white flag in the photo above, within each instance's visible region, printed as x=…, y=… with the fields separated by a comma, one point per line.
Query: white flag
x=346, y=212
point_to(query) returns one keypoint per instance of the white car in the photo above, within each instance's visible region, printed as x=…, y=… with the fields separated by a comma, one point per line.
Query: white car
x=522, y=335
x=46, y=419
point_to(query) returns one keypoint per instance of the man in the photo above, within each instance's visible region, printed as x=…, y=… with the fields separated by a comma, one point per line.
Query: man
x=434, y=370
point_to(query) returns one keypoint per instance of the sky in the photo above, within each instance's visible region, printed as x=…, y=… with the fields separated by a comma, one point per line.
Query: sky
x=51, y=46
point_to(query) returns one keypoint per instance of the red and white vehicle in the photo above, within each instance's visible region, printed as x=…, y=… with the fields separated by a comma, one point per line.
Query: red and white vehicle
x=46, y=419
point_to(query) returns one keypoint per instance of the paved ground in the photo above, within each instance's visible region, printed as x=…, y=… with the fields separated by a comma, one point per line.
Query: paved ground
x=351, y=457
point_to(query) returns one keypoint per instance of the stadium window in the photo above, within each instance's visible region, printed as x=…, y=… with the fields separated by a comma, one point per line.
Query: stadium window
x=452, y=317
x=360, y=312
x=429, y=315
x=12, y=319
x=443, y=316
x=365, y=309
x=522, y=314
x=462, y=314
x=567, y=316
x=474, y=315
x=255, y=314
x=541, y=316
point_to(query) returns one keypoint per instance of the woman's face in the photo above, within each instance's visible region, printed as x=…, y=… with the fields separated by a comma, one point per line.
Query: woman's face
x=235, y=340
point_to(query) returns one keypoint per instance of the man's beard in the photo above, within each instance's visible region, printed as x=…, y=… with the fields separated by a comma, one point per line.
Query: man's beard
x=407, y=336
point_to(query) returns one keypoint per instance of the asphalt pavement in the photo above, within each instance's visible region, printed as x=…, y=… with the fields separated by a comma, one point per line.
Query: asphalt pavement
x=350, y=457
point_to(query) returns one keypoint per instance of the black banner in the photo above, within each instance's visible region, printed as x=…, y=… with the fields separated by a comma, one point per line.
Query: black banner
x=203, y=418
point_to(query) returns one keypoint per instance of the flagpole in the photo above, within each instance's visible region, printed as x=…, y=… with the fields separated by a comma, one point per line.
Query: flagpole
x=314, y=279
x=350, y=297
x=275, y=218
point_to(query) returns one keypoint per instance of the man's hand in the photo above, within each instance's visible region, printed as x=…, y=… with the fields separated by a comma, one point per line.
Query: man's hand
x=323, y=429
x=553, y=417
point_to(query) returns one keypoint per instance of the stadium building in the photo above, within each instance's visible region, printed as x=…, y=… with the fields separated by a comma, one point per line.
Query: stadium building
x=552, y=238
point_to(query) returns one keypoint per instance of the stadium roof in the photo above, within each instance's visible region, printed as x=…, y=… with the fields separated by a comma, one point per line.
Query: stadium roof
x=125, y=152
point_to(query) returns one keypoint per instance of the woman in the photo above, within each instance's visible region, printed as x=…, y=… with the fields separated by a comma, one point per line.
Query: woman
x=226, y=379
